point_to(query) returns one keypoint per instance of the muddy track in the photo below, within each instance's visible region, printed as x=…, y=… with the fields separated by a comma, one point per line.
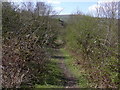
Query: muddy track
x=69, y=80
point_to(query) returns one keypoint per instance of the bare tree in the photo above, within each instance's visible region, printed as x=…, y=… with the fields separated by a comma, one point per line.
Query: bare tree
x=108, y=11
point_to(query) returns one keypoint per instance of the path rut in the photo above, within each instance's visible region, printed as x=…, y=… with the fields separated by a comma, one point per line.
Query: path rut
x=69, y=80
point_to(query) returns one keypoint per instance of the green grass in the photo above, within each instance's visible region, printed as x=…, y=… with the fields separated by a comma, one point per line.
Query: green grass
x=53, y=78
x=47, y=86
x=75, y=69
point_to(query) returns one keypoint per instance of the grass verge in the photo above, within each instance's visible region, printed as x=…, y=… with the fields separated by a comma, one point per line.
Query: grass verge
x=53, y=78
x=75, y=69
x=47, y=86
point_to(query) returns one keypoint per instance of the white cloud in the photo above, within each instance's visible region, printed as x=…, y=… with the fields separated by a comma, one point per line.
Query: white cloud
x=106, y=1
x=92, y=9
x=56, y=1
x=59, y=1
x=78, y=0
x=47, y=1
x=53, y=1
x=58, y=9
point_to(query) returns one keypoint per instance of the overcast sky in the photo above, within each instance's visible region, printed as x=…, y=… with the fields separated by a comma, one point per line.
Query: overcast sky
x=70, y=6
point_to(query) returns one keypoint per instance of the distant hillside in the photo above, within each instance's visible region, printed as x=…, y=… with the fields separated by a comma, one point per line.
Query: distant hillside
x=62, y=17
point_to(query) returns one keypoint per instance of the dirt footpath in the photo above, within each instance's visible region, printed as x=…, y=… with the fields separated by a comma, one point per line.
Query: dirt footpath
x=69, y=80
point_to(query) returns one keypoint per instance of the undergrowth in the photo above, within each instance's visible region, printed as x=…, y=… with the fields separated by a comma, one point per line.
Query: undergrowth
x=53, y=76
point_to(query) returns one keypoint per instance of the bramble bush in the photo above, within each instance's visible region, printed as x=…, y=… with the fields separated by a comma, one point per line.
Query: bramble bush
x=26, y=37
x=87, y=36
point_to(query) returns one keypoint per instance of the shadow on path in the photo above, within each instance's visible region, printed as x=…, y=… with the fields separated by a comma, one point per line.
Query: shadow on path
x=69, y=81
x=59, y=57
